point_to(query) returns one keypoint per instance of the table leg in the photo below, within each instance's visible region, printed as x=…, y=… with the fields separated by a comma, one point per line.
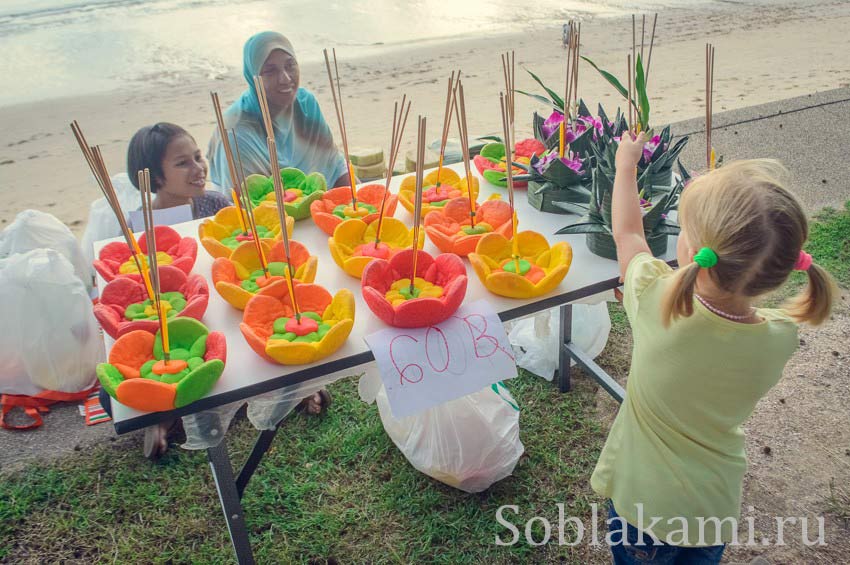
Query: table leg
x=228, y=494
x=569, y=350
x=262, y=445
x=565, y=336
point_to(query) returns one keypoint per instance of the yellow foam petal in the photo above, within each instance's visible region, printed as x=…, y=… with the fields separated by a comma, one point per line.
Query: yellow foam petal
x=234, y=295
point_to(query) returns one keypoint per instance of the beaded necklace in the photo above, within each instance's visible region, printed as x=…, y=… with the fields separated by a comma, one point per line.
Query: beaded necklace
x=723, y=314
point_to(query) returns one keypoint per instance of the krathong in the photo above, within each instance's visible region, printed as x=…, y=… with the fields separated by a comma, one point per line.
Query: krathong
x=524, y=265
x=300, y=190
x=116, y=259
x=413, y=289
x=224, y=232
x=459, y=225
x=353, y=244
x=138, y=375
x=274, y=330
x=334, y=206
x=240, y=276
x=124, y=305
x=491, y=161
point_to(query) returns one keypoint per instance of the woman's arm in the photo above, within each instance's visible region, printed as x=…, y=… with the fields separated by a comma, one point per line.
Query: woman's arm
x=626, y=216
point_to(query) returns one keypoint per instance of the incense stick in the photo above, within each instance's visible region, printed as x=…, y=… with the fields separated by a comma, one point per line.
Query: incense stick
x=399, y=121
x=464, y=147
x=278, y=193
x=336, y=91
x=94, y=158
x=447, y=120
x=709, y=103
x=417, y=202
x=144, y=179
x=510, y=182
x=630, y=122
x=225, y=143
x=651, y=43
x=245, y=196
x=509, y=75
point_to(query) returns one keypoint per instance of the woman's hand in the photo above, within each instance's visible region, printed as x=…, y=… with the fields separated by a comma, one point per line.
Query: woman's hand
x=630, y=150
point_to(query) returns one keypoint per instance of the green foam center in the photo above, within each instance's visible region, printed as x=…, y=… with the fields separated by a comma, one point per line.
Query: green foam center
x=469, y=230
x=511, y=266
x=137, y=311
x=312, y=337
x=405, y=292
x=339, y=211
x=232, y=241
x=276, y=269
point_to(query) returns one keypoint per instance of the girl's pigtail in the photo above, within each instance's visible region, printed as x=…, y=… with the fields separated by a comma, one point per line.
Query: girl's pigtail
x=814, y=304
x=679, y=297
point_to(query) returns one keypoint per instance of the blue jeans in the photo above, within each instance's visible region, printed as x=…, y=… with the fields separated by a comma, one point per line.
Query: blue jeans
x=648, y=553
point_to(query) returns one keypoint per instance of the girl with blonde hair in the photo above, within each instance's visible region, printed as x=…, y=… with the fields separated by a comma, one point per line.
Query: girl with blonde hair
x=703, y=354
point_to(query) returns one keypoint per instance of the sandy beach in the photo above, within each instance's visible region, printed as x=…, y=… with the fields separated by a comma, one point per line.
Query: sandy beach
x=763, y=54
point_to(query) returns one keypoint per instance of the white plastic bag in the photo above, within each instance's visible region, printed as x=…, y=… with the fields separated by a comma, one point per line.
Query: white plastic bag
x=102, y=222
x=535, y=339
x=33, y=229
x=468, y=443
x=48, y=335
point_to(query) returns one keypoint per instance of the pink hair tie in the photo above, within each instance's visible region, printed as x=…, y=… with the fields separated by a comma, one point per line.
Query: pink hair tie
x=804, y=261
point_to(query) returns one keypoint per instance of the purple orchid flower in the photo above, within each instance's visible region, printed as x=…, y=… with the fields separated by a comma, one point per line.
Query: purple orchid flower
x=650, y=147
x=572, y=161
x=552, y=123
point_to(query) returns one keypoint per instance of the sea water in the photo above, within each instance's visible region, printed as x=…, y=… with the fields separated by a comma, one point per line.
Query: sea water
x=57, y=48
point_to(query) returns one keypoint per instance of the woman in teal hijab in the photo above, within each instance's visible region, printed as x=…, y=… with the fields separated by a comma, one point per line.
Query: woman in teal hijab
x=303, y=138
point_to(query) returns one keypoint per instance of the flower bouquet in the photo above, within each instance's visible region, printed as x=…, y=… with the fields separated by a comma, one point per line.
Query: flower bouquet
x=138, y=376
x=223, y=233
x=274, y=332
x=300, y=190
x=596, y=216
x=239, y=277
x=124, y=305
x=116, y=258
x=334, y=206
x=439, y=286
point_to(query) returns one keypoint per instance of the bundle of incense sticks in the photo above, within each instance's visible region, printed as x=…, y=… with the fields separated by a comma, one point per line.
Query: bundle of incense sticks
x=248, y=206
x=399, y=121
x=94, y=158
x=447, y=121
x=570, y=84
x=231, y=165
x=417, y=202
x=506, y=131
x=631, y=64
x=147, y=213
x=278, y=190
x=460, y=104
x=508, y=74
x=710, y=159
x=336, y=91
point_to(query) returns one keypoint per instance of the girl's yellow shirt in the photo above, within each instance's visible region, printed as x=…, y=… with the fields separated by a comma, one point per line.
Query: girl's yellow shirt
x=677, y=445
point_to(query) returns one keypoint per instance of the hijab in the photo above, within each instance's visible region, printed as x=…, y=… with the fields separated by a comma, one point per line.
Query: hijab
x=302, y=136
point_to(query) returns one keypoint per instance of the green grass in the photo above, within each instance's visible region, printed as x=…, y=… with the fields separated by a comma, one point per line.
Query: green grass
x=332, y=487
x=335, y=488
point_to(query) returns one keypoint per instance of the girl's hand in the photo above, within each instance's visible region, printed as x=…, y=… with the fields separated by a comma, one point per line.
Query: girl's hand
x=630, y=150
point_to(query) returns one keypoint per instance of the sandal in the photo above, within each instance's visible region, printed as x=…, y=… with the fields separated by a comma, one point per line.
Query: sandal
x=325, y=400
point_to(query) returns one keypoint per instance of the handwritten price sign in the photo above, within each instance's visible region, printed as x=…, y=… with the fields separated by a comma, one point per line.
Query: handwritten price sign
x=425, y=367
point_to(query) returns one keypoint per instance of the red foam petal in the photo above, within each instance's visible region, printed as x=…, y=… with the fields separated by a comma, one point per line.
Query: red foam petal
x=379, y=275
x=378, y=304
x=216, y=347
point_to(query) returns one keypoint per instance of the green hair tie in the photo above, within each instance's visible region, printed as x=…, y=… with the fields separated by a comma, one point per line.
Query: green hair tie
x=706, y=258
